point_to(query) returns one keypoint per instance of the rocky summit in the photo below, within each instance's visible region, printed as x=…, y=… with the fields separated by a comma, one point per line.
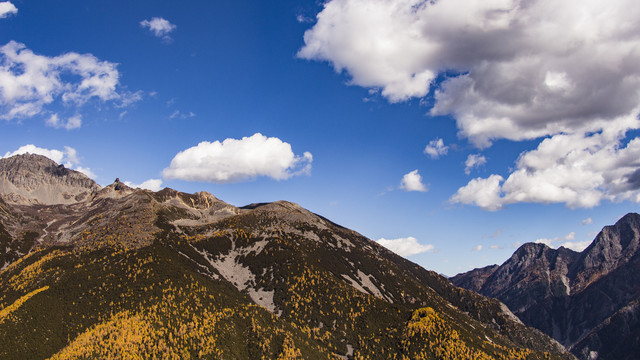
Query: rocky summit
x=588, y=301
x=115, y=272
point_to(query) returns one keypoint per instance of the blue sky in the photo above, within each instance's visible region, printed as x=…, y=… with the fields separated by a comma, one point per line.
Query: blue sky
x=530, y=112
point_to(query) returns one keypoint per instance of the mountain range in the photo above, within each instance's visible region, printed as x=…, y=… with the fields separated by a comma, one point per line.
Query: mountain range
x=114, y=272
x=589, y=301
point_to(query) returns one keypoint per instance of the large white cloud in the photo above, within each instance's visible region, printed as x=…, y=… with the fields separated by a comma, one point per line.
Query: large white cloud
x=68, y=156
x=574, y=169
x=7, y=8
x=234, y=160
x=514, y=69
x=405, y=246
x=29, y=82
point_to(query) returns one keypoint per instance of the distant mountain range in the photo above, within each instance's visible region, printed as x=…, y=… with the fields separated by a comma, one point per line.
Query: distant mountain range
x=115, y=272
x=588, y=301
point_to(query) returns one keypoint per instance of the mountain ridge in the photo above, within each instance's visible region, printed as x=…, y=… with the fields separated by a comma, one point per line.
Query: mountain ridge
x=573, y=296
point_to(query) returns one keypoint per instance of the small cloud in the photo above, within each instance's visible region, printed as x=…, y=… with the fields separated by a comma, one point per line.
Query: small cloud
x=567, y=239
x=71, y=123
x=473, y=161
x=495, y=247
x=179, y=115
x=85, y=170
x=303, y=19
x=477, y=248
x=413, y=182
x=516, y=244
x=576, y=245
x=235, y=160
x=586, y=221
x=7, y=9
x=405, y=246
x=151, y=184
x=436, y=148
x=159, y=27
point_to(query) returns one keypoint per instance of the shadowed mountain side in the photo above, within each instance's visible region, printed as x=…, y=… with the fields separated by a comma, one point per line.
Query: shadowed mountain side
x=577, y=298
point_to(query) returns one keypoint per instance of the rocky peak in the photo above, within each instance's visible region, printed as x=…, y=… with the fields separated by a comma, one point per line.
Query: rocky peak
x=614, y=245
x=36, y=179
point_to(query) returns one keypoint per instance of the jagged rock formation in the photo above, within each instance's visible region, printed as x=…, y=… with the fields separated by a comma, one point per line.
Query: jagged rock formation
x=587, y=301
x=131, y=272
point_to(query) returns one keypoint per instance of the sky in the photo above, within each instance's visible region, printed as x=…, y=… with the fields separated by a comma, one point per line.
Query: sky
x=449, y=131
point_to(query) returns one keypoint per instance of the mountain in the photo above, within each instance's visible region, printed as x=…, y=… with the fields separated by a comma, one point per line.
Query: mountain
x=588, y=301
x=130, y=273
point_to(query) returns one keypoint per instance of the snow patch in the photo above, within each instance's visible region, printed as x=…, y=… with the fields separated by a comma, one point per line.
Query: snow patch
x=240, y=275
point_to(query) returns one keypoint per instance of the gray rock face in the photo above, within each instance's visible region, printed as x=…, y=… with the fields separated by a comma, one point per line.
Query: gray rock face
x=580, y=299
x=35, y=179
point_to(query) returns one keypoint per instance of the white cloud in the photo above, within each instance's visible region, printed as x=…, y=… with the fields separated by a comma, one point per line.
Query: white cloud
x=484, y=193
x=513, y=69
x=577, y=170
x=234, y=160
x=586, y=221
x=151, y=184
x=405, y=246
x=159, y=27
x=477, y=248
x=29, y=82
x=86, y=171
x=73, y=122
x=412, y=181
x=7, y=8
x=180, y=115
x=473, y=161
x=68, y=157
x=436, y=148
x=576, y=245
x=567, y=241
x=550, y=242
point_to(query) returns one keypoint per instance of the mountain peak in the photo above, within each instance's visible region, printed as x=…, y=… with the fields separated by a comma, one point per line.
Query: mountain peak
x=36, y=179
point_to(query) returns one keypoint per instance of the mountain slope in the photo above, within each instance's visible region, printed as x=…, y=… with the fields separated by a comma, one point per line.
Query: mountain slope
x=127, y=273
x=580, y=299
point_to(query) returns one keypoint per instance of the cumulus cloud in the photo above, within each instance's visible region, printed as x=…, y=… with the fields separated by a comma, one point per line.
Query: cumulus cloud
x=159, y=27
x=574, y=169
x=7, y=9
x=473, y=161
x=151, y=184
x=29, y=82
x=405, y=246
x=436, y=148
x=234, y=160
x=477, y=248
x=513, y=69
x=412, y=181
x=73, y=122
x=68, y=157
